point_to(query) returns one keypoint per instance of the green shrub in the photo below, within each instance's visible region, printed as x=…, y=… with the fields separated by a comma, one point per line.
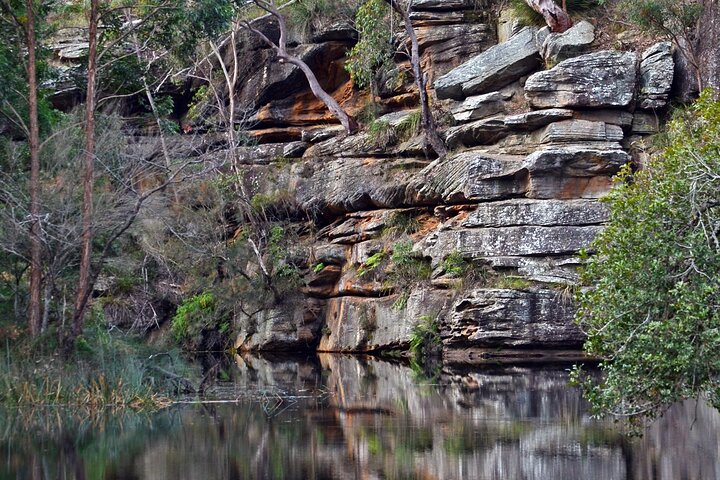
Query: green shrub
x=425, y=339
x=651, y=309
x=371, y=263
x=399, y=223
x=194, y=315
x=373, y=51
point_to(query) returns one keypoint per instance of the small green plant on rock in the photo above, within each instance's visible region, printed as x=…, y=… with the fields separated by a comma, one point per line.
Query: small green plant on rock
x=381, y=133
x=371, y=263
x=425, y=340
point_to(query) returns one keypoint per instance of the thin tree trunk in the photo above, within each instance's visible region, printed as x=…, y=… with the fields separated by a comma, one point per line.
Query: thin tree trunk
x=34, y=145
x=431, y=137
x=81, y=300
x=557, y=19
x=280, y=49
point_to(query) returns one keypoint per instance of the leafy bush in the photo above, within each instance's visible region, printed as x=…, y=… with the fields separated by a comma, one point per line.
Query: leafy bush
x=194, y=315
x=373, y=51
x=425, y=338
x=652, y=312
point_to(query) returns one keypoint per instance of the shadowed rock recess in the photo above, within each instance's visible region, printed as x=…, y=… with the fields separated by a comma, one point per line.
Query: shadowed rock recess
x=483, y=243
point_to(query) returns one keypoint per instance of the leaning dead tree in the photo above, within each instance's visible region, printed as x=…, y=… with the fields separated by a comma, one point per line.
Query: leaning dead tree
x=427, y=121
x=280, y=49
x=555, y=16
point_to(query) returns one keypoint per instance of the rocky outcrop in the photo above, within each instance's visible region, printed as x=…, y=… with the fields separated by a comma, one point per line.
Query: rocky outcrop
x=494, y=68
x=656, y=76
x=502, y=317
x=493, y=229
x=561, y=46
x=601, y=79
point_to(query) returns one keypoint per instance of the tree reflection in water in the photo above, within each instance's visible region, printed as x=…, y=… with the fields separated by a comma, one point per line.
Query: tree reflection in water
x=344, y=417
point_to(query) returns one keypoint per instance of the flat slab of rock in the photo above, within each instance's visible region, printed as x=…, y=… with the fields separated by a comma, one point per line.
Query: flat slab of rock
x=572, y=42
x=537, y=118
x=657, y=69
x=512, y=318
x=357, y=324
x=479, y=106
x=549, y=213
x=472, y=175
x=599, y=79
x=480, y=132
x=448, y=4
x=580, y=131
x=509, y=241
x=492, y=69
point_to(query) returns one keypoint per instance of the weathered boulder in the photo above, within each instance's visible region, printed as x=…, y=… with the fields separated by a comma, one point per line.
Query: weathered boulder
x=266, y=153
x=574, y=170
x=600, y=79
x=537, y=212
x=511, y=318
x=562, y=269
x=480, y=106
x=657, y=69
x=294, y=325
x=357, y=324
x=537, y=118
x=330, y=187
x=508, y=241
x=480, y=132
x=580, y=131
x=572, y=42
x=472, y=175
x=492, y=69
x=621, y=118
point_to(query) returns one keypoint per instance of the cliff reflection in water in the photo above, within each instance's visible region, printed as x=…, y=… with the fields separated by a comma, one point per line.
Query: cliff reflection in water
x=342, y=417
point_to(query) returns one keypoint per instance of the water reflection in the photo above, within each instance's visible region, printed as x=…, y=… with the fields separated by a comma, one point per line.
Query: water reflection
x=342, y=417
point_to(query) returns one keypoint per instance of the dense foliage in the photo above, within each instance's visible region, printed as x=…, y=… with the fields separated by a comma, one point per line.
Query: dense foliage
x=374, y=47
x=653, y=311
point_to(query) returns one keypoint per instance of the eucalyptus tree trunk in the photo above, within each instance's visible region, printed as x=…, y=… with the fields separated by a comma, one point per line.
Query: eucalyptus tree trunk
x=84, y=282
x=427, y=121
x=34, y=146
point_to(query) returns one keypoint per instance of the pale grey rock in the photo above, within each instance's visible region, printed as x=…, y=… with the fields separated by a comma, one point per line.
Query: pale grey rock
x=330, y=187
x=599, y=79
x=573, y=171
x=320, y=134
x=357, y=324
x=657, y=69
x=508, y=241
x=523, y=211
x=621, y=118
x=572, y=42
x=556, y=269
x=291, y=326
x=645, y=123
x=580, y=131
x=479, y=106
x=492, y=69
x=537, y=118
x=269, y=152
x=480, y=132
x=472, y=175
x=511, y=318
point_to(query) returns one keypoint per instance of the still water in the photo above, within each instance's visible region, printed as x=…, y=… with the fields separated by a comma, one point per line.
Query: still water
x=344, y=417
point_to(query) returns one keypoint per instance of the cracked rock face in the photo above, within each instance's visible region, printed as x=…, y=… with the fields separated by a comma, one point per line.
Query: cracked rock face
x=656, y=76
x=502, y=317
x=561, y=46
x=494, y=68
x=600, y=79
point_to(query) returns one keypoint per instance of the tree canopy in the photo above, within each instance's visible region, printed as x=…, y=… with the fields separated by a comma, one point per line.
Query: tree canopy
x=651, y=307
